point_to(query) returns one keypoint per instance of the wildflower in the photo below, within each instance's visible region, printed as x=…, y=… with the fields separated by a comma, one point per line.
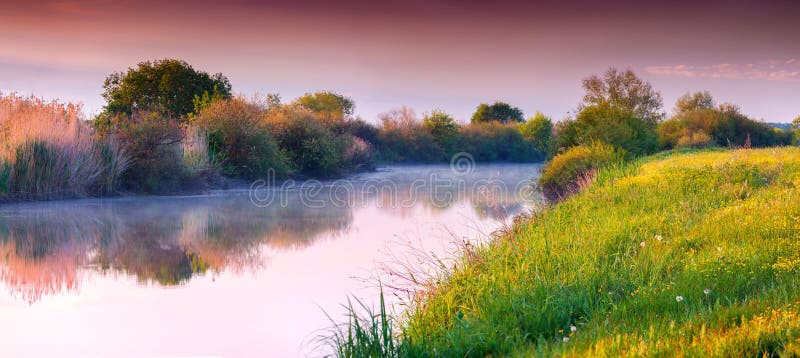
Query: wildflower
x=641, y=244
x=573, y=328
x=707, y=291
x=679, y=298
x=566, y=339
x=719, y=249
x=659, y=238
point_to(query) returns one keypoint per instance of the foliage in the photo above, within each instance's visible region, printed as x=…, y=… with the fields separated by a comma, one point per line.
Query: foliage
x=169, y=86
x=239, y=140
x=693, y=101
x=539, y=131
x=494, y=141
x=567, y=172
x=678, y=254
x=403, y=138
x=312, y=148
x=721, y=126
x=616, y=127
x=153, y=143
x=444, y=130
x=48, y=150
x=625, y=91
x=498, y=111
x=328, y=105
x=366, y=334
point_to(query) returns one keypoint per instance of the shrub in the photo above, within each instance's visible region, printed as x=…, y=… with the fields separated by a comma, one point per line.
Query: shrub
x=539, y=132
x=5, y=173
x=49, y=150
x=312, y=149
x=567, y=172
x=617, y=127
x=722, y=126
x=495, y=141
x=239, y=141
x=498, y=111
x=444, y=130
x=330, y=107
x=153, y=143
x=403, y=138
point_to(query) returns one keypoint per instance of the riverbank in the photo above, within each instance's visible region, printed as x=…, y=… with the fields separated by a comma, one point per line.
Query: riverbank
x=680, y=253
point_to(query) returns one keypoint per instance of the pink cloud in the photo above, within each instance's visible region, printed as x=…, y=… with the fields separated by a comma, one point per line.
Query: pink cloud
x=769, y=70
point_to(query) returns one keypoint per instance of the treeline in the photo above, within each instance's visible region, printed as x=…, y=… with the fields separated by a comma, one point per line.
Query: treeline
x=167, y=128
x=621, y=117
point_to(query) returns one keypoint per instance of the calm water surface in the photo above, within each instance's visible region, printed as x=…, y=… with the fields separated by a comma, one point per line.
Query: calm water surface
x=233, y=274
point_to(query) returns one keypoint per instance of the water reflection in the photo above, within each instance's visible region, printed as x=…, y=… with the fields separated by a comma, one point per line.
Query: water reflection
x=48, y=248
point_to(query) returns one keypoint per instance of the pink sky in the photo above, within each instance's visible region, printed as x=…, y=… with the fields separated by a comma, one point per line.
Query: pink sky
x=451, y=55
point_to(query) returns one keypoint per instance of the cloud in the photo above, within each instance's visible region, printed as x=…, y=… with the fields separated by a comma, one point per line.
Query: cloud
x=769, y=70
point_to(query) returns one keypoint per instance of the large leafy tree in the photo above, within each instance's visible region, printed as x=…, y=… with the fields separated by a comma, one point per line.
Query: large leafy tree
x=169, y=86
x=498, y=111
x=538, y=130
x=695, y=101
x=624, y=91
x=443, y=128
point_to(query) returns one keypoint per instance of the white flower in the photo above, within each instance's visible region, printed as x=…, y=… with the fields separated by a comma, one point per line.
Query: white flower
x=642, y=244
x=707, y=291
x=659, y=238
x=573, y=328
x=719, y=248
x=679, y=298
x=566, y=339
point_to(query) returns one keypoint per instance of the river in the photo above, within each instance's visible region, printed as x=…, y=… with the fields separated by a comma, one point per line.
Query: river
x=235, y=273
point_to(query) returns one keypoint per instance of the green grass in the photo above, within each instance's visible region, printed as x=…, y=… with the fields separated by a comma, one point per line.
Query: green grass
x=684, y=253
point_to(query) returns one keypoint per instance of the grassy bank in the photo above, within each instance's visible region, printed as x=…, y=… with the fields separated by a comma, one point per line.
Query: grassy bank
x=692, y=253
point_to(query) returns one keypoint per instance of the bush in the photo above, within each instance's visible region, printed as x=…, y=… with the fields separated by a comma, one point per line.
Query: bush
x=616, y=127
x=239, y=141
x=152, y=140
x=312, y=149
x=403, y=138
x=566, y=173
x=495, y=141
x=539, y=132
x=444, y=130
x=722, y=126
x=50, y=151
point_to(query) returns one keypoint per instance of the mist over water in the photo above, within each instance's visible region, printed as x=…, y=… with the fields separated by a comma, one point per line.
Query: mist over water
x=233, y=273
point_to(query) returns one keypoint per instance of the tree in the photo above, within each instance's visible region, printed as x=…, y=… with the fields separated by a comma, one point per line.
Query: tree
x=328, y=104
x=538, y=130
x=693, y=101
x=443, y=128
x=625, y=91
x=615, y=126
x=498, y=111
x=169, y=86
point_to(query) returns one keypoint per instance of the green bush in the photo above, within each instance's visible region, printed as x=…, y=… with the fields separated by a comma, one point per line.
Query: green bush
x=723, y=126
x=495, y=141
x=567, y=172
x=312, y=149
x=239, y=141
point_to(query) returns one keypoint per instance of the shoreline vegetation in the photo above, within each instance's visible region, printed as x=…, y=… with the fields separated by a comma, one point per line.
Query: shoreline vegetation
x=664, y=236
x=688, y=252
x=170, y=129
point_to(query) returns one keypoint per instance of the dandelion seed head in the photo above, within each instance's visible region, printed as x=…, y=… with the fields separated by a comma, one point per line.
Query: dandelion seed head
x=707, y=291
x=566, y=339
x=642, y=244
x=659, y=238
x=573, y=328
x=679, y=298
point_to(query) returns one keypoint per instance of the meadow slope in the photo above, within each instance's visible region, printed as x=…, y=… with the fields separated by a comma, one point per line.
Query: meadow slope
x=681, y=253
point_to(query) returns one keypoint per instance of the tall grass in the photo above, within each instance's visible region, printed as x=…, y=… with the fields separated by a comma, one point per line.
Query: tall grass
x=366, y=334
x=678, y=254
x=49, y=150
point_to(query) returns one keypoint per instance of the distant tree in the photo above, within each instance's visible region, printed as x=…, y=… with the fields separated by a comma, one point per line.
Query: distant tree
x=693, y=101
x=615, y=126
x=169, y=86
x=624, y=91
x=498, y=111
x=538, y=130
x=327, y=103
x=443, y=128
x=796, y=123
